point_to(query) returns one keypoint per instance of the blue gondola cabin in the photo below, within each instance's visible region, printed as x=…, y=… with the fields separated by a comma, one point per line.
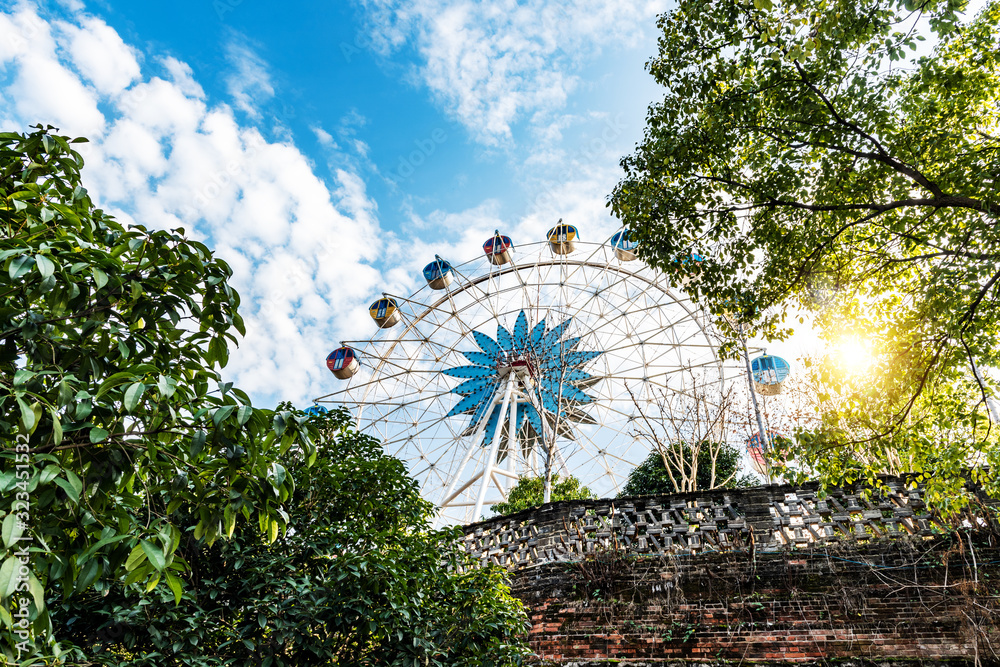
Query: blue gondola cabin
x=562, y=238
x=343, y=362
x=497, y=248
x=385, y=312
x=624, y=245
x=438, y=273
x=768, y=374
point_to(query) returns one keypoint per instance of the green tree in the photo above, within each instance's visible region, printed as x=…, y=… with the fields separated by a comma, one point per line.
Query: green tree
x=119, y=438
x=529, y=492
x=651, y=476
x=823, y=161
x=359, y=578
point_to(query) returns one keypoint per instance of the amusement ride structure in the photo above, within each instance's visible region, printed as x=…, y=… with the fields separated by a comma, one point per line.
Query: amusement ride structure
x=526, y=360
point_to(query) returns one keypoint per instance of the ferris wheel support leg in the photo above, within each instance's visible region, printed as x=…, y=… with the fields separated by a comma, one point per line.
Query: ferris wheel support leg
x=512, y=443
x=451, y=493
x=462, y=488
x=494, y=446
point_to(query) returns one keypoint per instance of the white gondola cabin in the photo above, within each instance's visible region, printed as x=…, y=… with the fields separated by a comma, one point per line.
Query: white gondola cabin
x=438, y=273
x=385, y=312
x=343, y=362
x=497, y=248
x=624, y=245
x=768, y=374
x=562, y=238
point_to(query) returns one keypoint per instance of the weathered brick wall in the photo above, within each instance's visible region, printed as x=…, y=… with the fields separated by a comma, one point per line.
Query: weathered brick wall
x=926, y=601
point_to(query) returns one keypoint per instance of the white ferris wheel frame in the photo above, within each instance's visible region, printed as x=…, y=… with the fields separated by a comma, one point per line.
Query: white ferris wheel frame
x=460, y=493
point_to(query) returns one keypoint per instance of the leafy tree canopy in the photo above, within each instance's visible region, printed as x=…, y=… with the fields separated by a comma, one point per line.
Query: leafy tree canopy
x=651, y=476
x=821, y=157
x=119, y=439
x=359, y=578
x=530, y=491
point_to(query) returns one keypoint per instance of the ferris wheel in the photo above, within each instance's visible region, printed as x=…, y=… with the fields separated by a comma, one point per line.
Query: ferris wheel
x=525, y=356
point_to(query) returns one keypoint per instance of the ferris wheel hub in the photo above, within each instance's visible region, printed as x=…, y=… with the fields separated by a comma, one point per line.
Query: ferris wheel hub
x=523, y=368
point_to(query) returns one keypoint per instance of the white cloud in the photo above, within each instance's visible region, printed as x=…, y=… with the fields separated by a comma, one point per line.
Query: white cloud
x=250, y=82
x=323, y=137
x=44, y=89
x=492, y=64
x=166, y=156
x=101, y=56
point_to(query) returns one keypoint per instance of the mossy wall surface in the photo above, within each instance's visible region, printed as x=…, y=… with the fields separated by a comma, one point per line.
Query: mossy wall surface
x=922, y=601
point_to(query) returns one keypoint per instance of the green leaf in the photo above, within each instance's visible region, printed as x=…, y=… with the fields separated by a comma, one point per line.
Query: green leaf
x=36, y=590
x=222, y=414
x=20, y=266
x=166, y=386
x=71, y=491
x=45, y=265
x=89, y=553
x=57, y=429
x=136, y=558
x=75, y=482
x=8, y=576
x=154, y=554
x=197, y=443
x=12, y=530
x=49, y=473
x=27, y=415
x=98, y=434
x=114, y=381
x=100, y=278
x=243, y=414
x=133, y=395
x=174, y=583
x=88, y=574
x=22, y=376
x=279, y=474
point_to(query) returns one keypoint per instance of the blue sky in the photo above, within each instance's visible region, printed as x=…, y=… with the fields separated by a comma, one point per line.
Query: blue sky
x=329, y=150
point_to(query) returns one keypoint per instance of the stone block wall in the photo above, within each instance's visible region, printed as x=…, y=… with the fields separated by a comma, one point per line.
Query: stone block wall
x=766, y=576
x=923, y=601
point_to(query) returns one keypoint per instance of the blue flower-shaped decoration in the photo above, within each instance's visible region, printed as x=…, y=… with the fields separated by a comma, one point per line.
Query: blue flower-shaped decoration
x=549, y=376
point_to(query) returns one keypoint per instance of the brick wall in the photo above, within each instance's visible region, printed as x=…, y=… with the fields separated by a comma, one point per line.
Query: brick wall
x=926, y=601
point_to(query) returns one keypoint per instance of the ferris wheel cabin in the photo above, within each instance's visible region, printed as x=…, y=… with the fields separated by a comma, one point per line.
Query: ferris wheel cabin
x=438, y=273
x=343, y=363
x=315, y=410
x=624, y=245
x=768, y=374
x=385, y=312
x=562, y=238
x=498, y=248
